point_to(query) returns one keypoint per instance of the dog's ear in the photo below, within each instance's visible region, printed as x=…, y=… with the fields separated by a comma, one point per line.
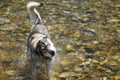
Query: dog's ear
x=43, y=39
x=35, y=38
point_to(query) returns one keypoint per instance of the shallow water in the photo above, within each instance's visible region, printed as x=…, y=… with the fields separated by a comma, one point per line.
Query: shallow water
x=85, y=33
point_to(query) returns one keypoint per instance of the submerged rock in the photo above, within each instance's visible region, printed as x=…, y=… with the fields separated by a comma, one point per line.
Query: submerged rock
x=69, y=47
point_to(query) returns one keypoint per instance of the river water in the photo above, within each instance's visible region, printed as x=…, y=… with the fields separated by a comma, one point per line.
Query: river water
x=86, y=34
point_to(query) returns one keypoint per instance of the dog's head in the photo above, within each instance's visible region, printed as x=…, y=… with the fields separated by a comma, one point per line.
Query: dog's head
x=43, y=46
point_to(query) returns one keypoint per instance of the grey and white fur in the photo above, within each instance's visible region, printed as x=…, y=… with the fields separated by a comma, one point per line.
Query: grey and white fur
x=39, y=45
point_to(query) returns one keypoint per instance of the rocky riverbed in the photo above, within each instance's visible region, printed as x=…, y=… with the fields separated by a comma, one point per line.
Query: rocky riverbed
x=86, y=34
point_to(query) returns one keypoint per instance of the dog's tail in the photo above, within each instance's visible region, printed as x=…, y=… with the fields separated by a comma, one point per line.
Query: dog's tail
x=33, y=13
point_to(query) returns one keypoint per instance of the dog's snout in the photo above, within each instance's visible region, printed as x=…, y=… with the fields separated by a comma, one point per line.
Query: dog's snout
x=52, y=52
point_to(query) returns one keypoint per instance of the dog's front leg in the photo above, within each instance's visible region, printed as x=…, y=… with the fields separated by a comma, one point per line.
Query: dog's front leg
x=48, y=70
x=34, y=71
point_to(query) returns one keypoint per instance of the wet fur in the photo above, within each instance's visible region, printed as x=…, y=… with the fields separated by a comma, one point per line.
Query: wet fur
x=39, y=45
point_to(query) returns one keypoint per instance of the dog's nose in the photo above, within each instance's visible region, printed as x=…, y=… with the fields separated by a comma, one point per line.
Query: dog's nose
x=52, y=52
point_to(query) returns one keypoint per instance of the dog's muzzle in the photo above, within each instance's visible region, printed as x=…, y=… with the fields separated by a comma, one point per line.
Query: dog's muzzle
x=52, y=52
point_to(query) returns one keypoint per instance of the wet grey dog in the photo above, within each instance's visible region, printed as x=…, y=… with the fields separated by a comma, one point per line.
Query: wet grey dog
x=39, y=45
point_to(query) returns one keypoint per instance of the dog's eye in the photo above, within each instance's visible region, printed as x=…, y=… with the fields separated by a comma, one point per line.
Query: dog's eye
x=42, y=48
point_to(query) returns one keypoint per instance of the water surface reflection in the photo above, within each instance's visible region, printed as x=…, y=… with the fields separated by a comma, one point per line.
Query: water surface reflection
x=86, y=34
